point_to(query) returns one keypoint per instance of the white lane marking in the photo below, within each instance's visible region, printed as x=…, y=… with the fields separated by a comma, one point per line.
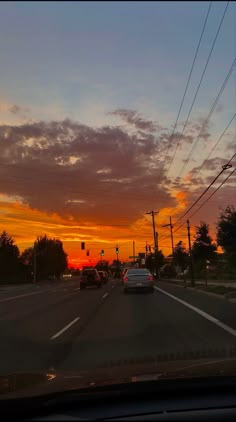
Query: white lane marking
x=65, y=328
x=78, y=288
x=105, y=295
x=200, y=312
x=24, y=295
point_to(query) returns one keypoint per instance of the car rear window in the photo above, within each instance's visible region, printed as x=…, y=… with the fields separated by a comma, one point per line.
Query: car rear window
x=137, y=271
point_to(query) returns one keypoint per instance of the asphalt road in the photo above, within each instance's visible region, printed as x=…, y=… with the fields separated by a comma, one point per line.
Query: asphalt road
x=58, y=326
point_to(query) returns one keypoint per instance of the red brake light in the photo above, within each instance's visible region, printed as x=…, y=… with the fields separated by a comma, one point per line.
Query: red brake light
x=150, y=278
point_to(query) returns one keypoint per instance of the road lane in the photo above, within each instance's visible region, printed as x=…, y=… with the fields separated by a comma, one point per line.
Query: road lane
x=139, y=327
x=97, y=327
x=28, y=324
x=219, y=308
x=8, y=299
x=200, y=312
x=59, y=333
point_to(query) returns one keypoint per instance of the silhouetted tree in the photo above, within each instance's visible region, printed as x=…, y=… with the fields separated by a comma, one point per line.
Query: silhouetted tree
x=203, y=248
x=180, y=256
x=50, y=257
x=9, y=257
x=226, y=234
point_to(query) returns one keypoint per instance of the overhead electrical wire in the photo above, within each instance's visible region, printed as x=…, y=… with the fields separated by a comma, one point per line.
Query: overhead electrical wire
x=221, y=136
x=213, y=193
x=224, y=167
x=207, y=199
x=214, y=147
x=208, y=118
x=185, y=91
x=199, y=84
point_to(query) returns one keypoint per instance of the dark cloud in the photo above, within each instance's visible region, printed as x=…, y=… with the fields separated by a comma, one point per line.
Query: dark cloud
x=212, y=164
x=133, y=118
x=100, y=175
x=76, y=170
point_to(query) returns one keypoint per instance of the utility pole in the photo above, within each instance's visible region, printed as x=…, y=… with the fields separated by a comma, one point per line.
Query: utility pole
x=154, y=227
x=172, y=239
x=190, y=254
x=146, y=249
x=157, y=246
x=171, y=235
x=35, y=262
x=152, y=213
x=133, y=250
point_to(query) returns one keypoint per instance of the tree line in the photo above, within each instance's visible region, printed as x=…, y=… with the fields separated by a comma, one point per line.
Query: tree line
x=47, y=255
x=44, y=260
x=204, y=250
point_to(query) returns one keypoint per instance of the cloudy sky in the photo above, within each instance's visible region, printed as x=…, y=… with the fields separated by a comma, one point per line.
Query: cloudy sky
x=90, y=136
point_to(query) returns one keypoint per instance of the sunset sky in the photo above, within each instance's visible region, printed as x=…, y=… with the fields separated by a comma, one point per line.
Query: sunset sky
x=90, y=93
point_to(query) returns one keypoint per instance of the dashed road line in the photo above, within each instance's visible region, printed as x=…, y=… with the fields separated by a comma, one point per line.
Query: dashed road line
x=7, y=299
x=59, y=333
x=105, y=295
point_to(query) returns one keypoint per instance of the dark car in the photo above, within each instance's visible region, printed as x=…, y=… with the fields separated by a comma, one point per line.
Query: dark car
x=90, y=277
x=104, y=276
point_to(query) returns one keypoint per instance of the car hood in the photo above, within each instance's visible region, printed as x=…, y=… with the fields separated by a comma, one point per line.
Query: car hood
x=44, y=382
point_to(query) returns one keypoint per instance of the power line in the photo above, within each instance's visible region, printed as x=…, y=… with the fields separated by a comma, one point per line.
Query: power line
x=208, y=117
x=200, y=82
x=224, y=167
x=221, y=136
x=185, y=91
x=215, y=145
x=208, y=198
x=213, y=193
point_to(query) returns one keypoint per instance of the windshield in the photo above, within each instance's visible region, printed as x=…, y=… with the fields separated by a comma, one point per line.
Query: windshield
x=117, y=155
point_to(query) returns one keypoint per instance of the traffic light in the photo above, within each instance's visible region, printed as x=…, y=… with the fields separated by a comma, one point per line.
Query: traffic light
x=102, y=252
x=117, y=250
x=82, y=245
x=87, y=253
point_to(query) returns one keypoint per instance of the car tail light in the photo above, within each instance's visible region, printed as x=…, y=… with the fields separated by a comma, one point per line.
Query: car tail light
x=150, y=278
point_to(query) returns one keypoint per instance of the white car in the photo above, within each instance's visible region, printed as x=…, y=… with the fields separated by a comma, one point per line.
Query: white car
x=137, y=279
